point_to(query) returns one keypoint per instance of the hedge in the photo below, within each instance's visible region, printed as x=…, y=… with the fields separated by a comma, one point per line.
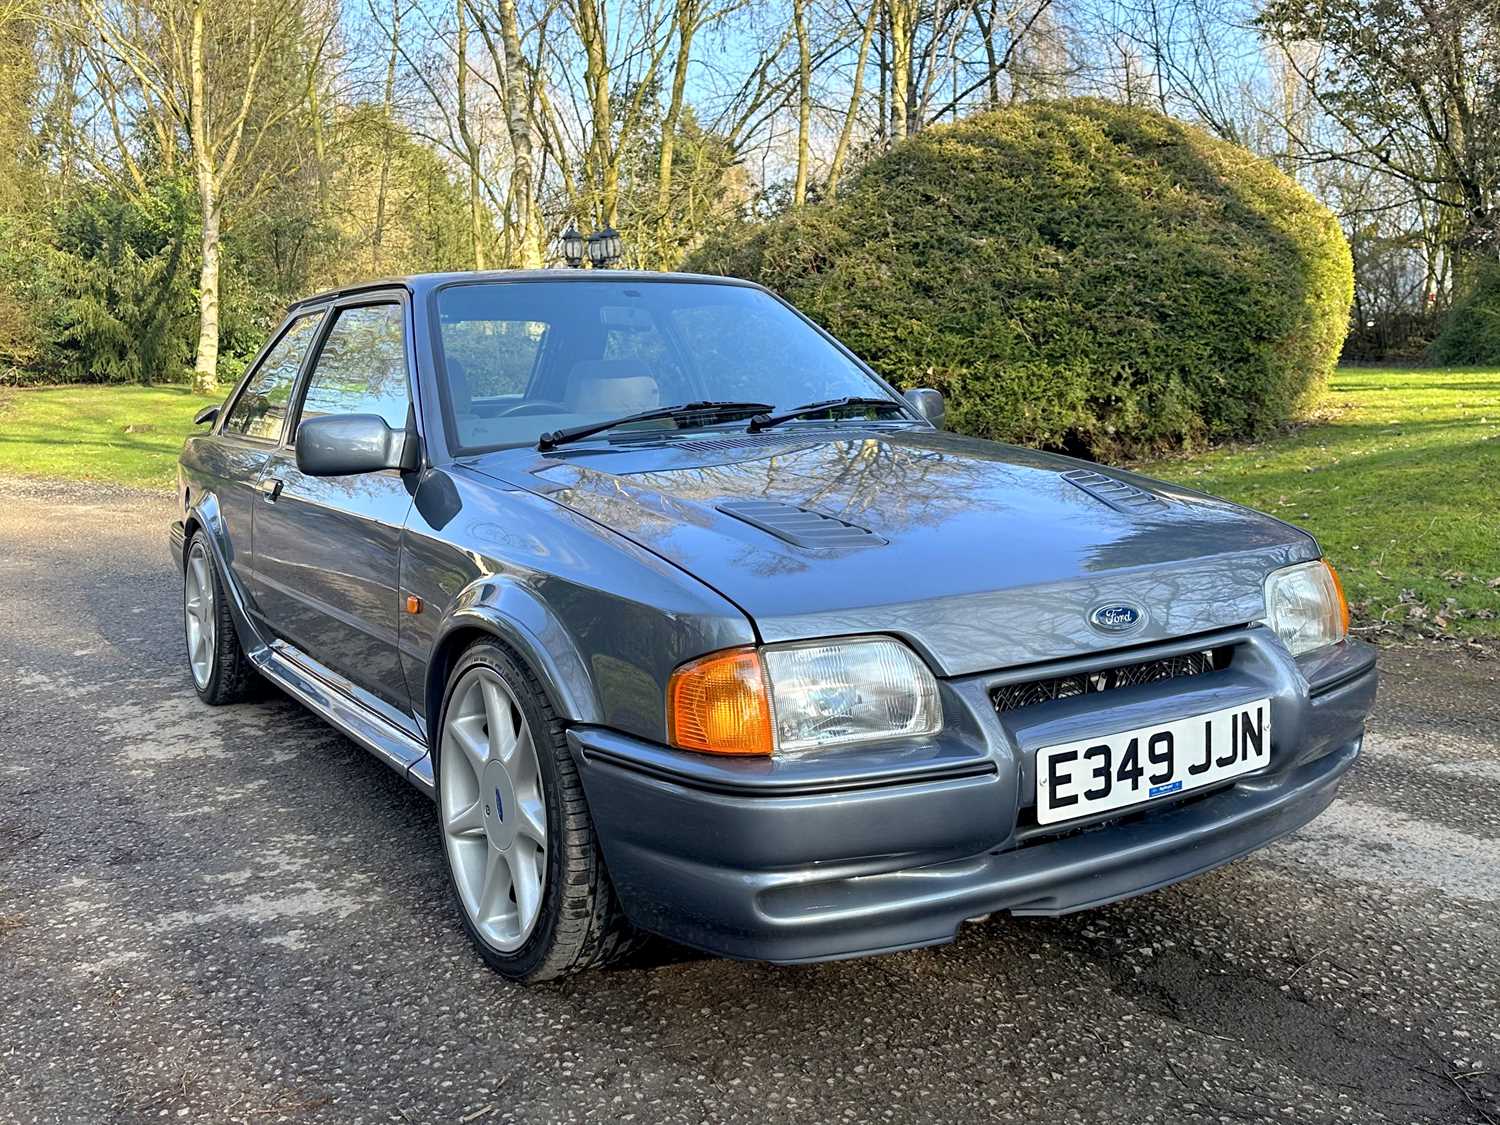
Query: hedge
x=1471, y=332
x=1075, y=275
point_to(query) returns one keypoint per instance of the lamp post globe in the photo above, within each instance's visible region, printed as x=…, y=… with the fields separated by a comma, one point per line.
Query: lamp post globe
x=604, y=248
x=572, y=246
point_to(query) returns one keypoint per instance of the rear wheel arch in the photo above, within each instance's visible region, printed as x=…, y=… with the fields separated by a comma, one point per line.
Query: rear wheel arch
x=203, y=518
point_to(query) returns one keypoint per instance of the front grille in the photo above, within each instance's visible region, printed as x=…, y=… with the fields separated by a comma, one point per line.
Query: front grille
x=1009, y=697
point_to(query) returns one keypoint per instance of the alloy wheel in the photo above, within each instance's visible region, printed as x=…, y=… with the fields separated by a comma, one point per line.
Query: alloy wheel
x=200, y=613
x=493, y=809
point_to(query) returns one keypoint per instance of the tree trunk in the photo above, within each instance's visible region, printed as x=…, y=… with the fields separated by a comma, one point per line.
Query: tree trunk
x=903, y=13
x=605, y=171
x=314, y=99
x=377, y=236
x=528, y=253
x=206, y=366
x=206, y=363
x=471, y=146
x=841, y=152
x=687, y=25
x=804, y=101
x=987, y=26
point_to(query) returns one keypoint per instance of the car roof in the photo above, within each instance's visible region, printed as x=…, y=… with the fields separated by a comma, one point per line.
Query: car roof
x=422, y=283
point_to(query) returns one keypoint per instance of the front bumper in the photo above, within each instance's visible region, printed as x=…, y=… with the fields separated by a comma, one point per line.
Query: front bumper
x=872, y=852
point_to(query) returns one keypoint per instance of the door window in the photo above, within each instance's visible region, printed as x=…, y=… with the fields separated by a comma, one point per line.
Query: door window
x=261, y=408
x=361, y=368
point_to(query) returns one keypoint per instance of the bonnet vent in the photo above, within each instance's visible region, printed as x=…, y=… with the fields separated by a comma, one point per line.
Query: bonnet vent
x=750, y=441
x=1117, y=494
x=800, y=526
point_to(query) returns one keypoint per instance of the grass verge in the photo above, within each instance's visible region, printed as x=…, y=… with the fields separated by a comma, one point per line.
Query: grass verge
x=122, y=435
x=1400, y=481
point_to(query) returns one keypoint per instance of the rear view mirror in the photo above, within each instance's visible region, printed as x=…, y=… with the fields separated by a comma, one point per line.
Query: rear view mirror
x=338, y=445
x=928, y=403
x=625, y=316
x=207, y=414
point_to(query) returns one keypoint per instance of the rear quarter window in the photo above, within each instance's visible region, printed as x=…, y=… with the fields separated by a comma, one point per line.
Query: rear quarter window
x=261, y=409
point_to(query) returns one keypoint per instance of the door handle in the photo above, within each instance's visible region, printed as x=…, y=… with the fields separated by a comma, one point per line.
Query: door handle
x=270, y=488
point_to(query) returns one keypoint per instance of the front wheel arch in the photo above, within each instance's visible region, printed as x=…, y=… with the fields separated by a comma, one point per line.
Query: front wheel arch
x=460, y=636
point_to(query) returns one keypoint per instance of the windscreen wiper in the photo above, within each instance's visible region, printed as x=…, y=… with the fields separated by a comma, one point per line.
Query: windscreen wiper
x=685, y=410
x=766, y=421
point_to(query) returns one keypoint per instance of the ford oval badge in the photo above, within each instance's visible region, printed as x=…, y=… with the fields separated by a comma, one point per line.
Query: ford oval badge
x=1118, y=617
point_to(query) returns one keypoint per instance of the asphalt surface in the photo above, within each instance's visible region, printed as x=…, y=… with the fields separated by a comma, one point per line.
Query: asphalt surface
x=237, y=915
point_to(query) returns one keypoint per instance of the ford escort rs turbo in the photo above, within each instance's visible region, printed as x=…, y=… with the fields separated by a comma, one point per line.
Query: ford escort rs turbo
x=691, y=624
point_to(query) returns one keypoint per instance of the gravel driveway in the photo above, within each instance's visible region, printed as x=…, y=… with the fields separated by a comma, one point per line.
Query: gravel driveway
x=237, y=915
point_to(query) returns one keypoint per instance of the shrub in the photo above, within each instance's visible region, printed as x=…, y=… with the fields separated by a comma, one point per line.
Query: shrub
x=1075, y=275
x=120, y=306
x=99, y=289
x=1471, y=332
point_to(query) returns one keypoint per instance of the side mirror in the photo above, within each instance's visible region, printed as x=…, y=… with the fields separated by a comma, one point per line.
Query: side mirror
x=338, y=445
x=207, y=414
x=928, y=403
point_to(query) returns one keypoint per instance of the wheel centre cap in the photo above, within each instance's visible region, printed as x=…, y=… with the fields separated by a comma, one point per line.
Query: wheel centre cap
x=501, y=813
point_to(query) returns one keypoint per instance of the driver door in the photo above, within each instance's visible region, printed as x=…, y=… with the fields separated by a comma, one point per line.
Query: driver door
x=327, y=549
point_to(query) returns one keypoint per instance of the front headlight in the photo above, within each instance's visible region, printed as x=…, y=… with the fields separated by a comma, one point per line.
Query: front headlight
x=849, y=691
x=1305, y=606
x=794, y=698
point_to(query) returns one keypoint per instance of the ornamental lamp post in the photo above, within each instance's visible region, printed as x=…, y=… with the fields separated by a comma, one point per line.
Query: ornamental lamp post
x=572, y=247
x=604, y=248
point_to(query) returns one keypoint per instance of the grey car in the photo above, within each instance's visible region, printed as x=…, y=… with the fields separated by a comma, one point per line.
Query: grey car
x=690, y=624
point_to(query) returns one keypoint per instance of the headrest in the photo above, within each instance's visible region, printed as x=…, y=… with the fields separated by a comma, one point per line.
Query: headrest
x=612, y=386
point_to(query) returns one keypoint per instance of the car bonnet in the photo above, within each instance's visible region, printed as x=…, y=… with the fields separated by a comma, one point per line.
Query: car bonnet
x=981, y=555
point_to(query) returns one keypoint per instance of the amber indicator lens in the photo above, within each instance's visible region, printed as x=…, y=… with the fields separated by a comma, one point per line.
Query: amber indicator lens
x=1338, y=589
x=721, y=705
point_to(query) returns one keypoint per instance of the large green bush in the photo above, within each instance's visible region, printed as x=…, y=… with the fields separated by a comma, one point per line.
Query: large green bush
x=1076, y=275
x=1471, y=332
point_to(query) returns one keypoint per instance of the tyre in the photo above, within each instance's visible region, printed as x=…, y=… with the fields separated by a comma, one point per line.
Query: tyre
x=523, y=859
x=221, y=671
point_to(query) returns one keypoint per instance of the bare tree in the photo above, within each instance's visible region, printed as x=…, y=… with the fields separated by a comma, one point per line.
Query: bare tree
x=472, y=156
x=841, y=151
x=215, y=72
x=628, y=63
x=514, y=78
x=804, y=100
x=387, y=107
x=1411, y=89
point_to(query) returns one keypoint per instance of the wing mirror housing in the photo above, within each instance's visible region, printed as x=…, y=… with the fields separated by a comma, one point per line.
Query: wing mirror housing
x=207, y=414
x=340, y=445
x=928, y=403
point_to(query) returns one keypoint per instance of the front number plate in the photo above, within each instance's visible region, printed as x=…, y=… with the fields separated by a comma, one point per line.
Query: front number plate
x=1095, y=775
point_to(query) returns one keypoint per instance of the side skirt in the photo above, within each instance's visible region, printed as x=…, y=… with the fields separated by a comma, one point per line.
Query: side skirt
x=321, y=690
x=388, y=742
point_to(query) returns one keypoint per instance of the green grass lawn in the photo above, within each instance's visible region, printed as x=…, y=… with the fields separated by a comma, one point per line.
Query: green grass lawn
x=1399, y=478
x=125, y=435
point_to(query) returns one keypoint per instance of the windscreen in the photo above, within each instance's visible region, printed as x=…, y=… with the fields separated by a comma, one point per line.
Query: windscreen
x=522, y=358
